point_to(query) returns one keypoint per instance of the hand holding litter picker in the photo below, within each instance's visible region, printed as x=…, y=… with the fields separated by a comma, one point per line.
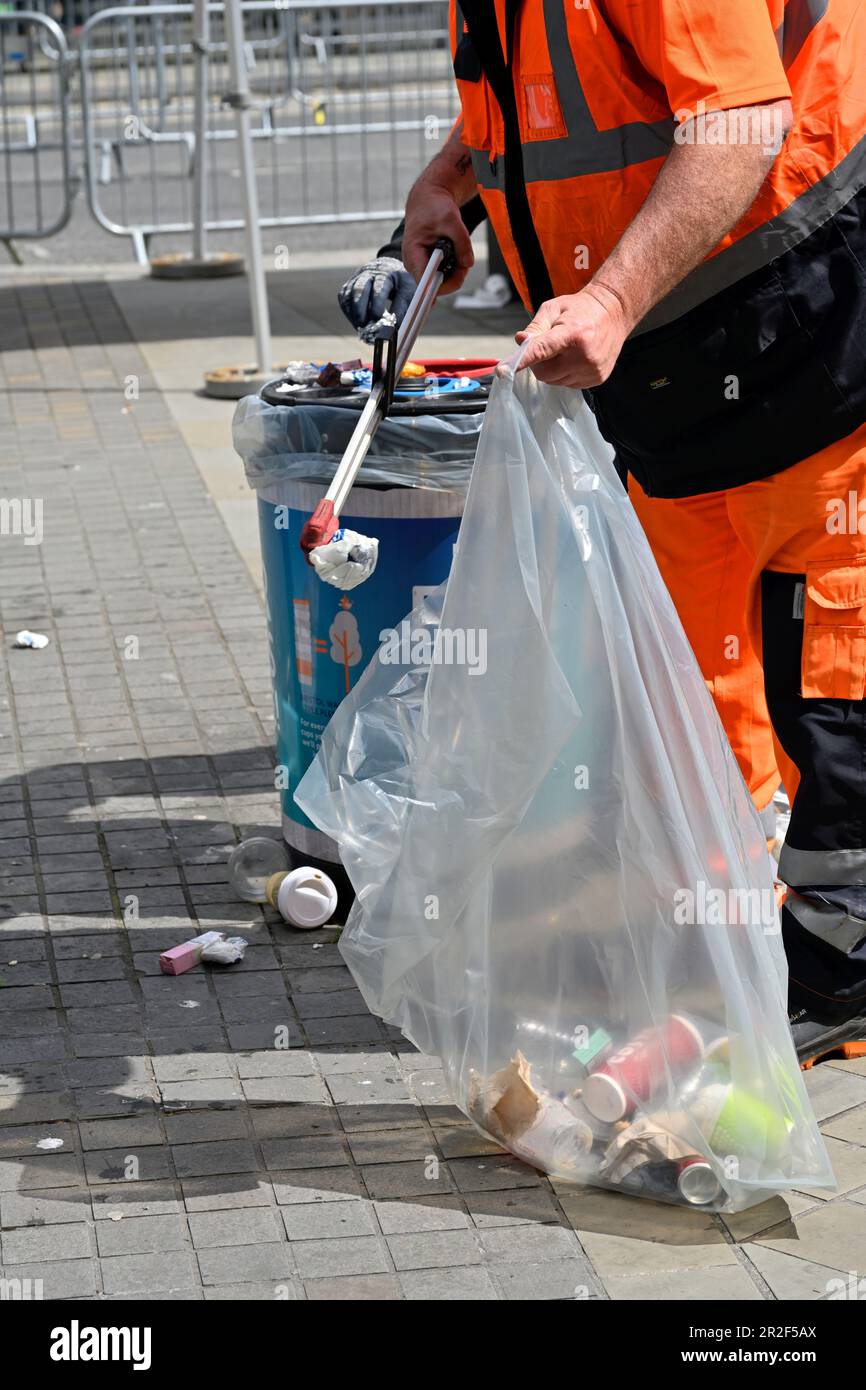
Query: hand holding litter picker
x=390, y=355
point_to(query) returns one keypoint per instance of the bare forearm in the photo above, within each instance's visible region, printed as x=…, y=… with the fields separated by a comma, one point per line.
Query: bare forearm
x=450, y=170
x=433, y=211
x=702, y=191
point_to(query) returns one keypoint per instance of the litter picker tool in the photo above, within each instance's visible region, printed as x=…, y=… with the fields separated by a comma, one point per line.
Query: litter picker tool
x=391, y=352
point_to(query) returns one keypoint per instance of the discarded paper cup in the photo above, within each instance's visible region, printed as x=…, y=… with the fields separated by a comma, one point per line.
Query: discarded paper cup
x=639, y=1069
x=737, y=1122
x=305, y=897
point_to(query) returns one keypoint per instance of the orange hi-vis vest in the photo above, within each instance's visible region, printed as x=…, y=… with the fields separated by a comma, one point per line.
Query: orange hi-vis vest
x=570, y=108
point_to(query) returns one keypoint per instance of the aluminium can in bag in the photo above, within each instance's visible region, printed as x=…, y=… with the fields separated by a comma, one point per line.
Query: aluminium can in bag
x=563, y=888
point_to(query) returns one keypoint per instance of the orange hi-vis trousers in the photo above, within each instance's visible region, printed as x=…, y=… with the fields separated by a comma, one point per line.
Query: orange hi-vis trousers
x=769, y=580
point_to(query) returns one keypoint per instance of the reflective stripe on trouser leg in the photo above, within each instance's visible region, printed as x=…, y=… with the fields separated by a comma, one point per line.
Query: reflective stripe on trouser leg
x=824, y=857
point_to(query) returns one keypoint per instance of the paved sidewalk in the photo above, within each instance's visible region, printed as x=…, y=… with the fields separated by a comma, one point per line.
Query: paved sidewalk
x=153, y=1141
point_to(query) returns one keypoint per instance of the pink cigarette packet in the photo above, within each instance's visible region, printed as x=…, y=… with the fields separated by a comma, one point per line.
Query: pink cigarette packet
x=184, y=957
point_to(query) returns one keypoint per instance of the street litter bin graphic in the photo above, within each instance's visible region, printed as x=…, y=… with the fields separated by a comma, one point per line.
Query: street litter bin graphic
x=411, y=494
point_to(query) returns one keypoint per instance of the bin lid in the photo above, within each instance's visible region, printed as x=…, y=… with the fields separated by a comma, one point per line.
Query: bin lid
x=412, y=395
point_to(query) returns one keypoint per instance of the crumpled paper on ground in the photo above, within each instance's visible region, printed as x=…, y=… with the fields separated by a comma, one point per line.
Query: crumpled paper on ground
x=347, y=560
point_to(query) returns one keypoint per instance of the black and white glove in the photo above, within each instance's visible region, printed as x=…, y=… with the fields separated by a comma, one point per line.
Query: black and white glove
x=377, y=295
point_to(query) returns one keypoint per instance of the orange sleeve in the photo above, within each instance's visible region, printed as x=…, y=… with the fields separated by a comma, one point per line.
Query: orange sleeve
x=722, y=53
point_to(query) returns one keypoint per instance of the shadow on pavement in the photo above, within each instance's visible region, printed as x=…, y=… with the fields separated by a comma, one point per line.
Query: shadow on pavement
x=303, y=304
x=211, y=1083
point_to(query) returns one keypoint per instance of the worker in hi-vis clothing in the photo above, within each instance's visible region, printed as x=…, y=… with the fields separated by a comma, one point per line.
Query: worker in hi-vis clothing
x=679, y=190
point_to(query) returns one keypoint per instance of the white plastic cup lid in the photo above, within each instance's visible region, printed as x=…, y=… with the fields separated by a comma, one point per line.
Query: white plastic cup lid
x=307, y=898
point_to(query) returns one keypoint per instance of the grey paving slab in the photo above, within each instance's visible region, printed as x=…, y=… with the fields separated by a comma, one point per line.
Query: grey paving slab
x=460, y=1284
x=281, y=1290
x=232, y=1264
x=342, y=1256
x=135, y=1199
x=47, y=1207
x=64, y=1241
x=141, y=1235
x=523, y=1282
x=164, y=1273
x=328, y=1220
x=61, y=1279
x=354, y=1288
x=239, y=1226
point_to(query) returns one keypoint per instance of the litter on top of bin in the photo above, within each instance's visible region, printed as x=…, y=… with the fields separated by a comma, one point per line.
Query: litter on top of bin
x=321, y=379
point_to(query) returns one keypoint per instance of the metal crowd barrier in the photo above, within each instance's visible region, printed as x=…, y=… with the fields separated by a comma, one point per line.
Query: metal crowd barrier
x=349, y=101
x=37, y=184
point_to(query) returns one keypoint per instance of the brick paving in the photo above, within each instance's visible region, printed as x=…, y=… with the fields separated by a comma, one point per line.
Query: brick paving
x=153, y=1141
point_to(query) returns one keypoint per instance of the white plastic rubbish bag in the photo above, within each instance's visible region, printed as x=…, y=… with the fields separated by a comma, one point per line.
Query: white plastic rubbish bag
x=563, y=888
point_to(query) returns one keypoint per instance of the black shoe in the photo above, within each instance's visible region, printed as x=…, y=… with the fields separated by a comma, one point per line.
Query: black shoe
x=815, y=1040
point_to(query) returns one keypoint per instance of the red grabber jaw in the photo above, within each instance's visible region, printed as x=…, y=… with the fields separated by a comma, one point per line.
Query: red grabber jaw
x=319, y=528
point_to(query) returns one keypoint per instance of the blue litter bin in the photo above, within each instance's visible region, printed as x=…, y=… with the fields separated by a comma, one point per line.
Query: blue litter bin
x=410, y=495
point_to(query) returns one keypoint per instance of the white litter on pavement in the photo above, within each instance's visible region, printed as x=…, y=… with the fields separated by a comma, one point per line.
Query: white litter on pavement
x=347, y=560
x=50, y=1143
x=26, y=638
x=225, y=951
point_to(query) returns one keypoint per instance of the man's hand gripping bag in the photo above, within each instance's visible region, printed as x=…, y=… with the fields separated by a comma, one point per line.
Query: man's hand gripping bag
x=563, y=889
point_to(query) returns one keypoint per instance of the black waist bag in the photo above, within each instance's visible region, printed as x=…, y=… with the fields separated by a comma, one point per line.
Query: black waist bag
x=752, y=381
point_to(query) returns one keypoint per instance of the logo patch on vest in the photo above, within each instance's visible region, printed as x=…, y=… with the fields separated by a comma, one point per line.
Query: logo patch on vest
x=541, y=111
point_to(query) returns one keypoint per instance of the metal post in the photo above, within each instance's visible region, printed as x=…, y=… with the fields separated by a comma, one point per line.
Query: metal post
x=239, y=98
x=201, y=41
x=199, y=263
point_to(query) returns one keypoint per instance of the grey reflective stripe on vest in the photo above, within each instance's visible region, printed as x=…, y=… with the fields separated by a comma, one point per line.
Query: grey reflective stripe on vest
x=803, y=217
x=489, y=170
x=801, y=16
x=822, y=868
x=828, y=923
x=587, y=150
x=584, y=149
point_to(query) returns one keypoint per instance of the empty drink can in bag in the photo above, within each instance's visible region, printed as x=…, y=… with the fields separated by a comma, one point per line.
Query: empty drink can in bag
x=697, y=1183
